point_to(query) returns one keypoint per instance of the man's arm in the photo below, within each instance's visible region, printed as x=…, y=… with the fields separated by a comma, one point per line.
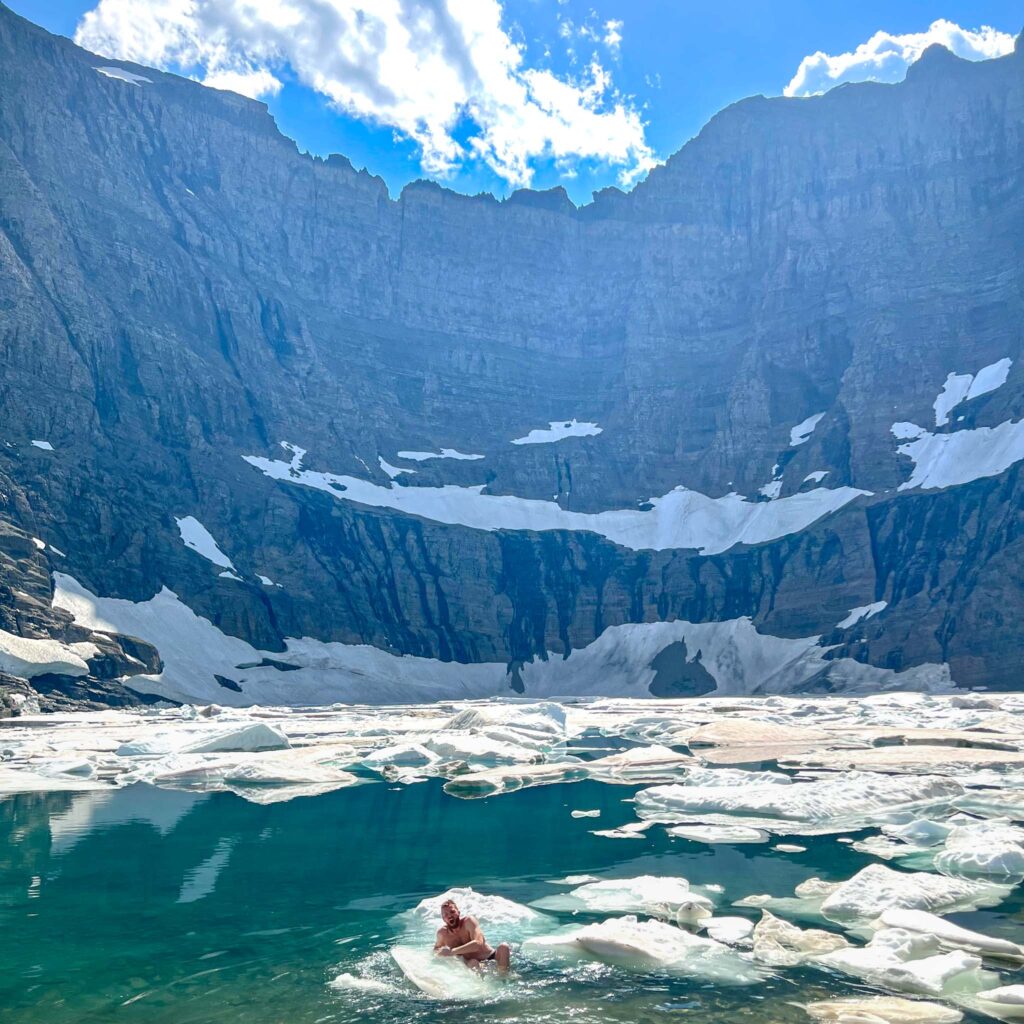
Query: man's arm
x=441, y=940
x=477, y=945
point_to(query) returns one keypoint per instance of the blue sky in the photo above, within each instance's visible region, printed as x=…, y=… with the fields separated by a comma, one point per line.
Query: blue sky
x=586, y=92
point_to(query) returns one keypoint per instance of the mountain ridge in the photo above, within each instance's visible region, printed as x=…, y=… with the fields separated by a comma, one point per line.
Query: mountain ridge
x=179, y=294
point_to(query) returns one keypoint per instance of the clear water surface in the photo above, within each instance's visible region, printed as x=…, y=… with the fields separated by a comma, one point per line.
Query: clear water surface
x=146, y=905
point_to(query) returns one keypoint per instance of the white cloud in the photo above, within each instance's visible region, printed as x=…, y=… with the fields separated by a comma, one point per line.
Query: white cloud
x=424, y=67
x=885, y=57
x=613, y=34
x=247, y=83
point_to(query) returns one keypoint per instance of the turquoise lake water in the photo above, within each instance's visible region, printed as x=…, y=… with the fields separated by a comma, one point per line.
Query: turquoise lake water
x=145, y=905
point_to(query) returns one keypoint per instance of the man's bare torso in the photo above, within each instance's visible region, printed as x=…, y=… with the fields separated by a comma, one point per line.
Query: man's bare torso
x=462, y=933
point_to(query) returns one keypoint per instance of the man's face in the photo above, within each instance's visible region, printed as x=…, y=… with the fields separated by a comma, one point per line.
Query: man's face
x=450, y=914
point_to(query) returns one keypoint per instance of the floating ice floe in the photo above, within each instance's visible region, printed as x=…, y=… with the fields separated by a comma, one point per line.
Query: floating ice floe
x=668, y=898
x=882, y=1010
x=781, y=944
x=558, y=430
x=719, y=834
x=680, y=519
x=508, y=779
x=904, y=961
x=497, y=915
x=952, y=936
x=1007, y=1001
x=352, y=983
x=445, y=978
x=733, y=931
x=248, y=736
x=199, y=539
x=648, y=945
x=983, y=849
x=877, y=888
x=827, y=805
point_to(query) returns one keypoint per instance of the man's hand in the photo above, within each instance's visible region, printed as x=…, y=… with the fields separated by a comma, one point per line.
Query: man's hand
x=445, y=951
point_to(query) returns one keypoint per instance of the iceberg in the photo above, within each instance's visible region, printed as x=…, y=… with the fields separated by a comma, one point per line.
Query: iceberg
x=636, y=945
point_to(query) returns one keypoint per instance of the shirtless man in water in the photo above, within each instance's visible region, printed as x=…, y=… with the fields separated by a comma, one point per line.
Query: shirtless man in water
x=461, y=936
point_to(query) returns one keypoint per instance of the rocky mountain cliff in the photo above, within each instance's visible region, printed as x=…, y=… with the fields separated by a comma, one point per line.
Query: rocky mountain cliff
x=756, y=426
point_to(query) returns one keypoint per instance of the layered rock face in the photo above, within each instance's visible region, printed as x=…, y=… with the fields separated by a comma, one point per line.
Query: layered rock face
x=778, y=383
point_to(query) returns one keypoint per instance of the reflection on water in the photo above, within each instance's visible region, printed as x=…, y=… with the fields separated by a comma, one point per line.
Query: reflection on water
x=158, y=906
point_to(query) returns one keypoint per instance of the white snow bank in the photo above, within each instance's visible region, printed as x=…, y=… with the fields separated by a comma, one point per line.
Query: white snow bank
x=444, y=453
x=960, y=387
x=26, y=657
x=803, y=430
x=124, y=76
x=45, y=445
x=557, y=430
x=738, y=658
x=392, y=471
x=948, y=460
x=198, y=538
x=817, y=476
x=680, y=519
x=859, y=614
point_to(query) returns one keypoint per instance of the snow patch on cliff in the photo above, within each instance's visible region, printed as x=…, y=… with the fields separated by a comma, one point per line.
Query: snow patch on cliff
x=740, y=659
x=947, y=460
x=199, y=539
x=28, y=657
x=124, y=76
x=961, y=387
x=558, y=430
x=680, y=519
x=865, y=611
x=392, y=471
x=803, y=430
x=444, y=453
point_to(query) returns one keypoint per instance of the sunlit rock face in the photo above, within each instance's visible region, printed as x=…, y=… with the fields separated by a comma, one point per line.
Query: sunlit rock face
x=778, y=383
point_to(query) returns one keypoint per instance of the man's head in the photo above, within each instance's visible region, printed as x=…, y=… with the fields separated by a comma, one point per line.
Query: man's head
x=450, y=913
